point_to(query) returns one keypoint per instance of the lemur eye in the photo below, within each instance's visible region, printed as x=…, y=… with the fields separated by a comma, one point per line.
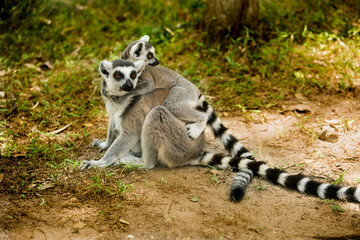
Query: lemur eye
x=118, y=75
x=149, y=56
x=133, y=75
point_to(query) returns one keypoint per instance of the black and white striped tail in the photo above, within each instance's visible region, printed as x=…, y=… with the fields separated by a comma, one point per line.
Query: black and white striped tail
x=221, y=132
x=298, y=182
x=231, y=144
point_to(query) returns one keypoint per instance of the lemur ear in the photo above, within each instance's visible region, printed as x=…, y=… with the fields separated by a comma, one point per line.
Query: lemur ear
x=145, y=38
x=104, y=68
x=138, y=49
x=139, y=66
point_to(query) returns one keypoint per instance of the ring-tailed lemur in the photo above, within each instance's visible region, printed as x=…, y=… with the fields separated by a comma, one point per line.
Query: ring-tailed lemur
x=140, y=120
x=185, y=101
x=138, y=123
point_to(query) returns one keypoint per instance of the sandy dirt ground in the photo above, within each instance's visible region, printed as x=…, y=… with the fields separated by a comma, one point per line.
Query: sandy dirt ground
x=193, y=202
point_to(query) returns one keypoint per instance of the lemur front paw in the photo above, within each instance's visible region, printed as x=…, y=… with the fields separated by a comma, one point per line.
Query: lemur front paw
x=100, y=144
x=90, y=164
x=194, y=130
x=96, y=143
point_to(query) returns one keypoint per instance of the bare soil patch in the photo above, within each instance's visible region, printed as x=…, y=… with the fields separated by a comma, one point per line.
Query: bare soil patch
x=193, y=202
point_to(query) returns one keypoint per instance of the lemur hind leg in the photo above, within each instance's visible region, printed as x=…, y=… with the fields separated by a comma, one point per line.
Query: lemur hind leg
x=165, y=140
x=182, y=105
x=129, y=158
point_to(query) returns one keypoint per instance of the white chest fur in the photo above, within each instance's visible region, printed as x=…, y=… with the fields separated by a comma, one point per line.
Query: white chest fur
x=115, y=111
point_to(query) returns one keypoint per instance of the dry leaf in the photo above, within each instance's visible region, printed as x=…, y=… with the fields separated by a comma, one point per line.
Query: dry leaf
x=32, y=185
x=300, y=108
x=214, y=171
x=29, y=65
x=300, y=96
x=46, y=186
x=79, y=225
x=318, y=62
x=329, y=135
x=256, y=78
x=3, y=73
x=194, y=199
x=80, y=7
x=1, y=177
x=333, y=121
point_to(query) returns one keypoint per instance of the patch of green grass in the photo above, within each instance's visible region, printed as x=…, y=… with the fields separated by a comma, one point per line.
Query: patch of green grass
x=330, y=202
x=105, y=184
x=291, y=15
x=337, y=208
x=259, y=187
x=163, y=180
x=340, y=179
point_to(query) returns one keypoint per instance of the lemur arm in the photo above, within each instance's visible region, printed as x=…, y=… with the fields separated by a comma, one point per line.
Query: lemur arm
x=182, y=107
x=120, y=147
x=111, y=135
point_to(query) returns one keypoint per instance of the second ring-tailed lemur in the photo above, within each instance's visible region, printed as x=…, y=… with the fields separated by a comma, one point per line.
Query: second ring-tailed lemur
x=185, y=101
x=138, y=119
x=183, y=95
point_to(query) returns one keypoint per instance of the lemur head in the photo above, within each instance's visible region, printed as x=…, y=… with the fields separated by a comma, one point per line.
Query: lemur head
x=141, y=50
x=120, y=75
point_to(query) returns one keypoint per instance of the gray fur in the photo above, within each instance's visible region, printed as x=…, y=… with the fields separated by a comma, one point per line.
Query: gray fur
x=122, y=63
x=165, y=140
x=147, y=45
x=126, y=54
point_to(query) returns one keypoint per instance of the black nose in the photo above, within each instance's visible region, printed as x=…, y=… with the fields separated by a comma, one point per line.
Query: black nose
x=154, y=63
x=128, y=86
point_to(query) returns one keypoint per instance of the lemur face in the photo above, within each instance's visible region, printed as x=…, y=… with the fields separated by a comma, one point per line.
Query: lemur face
x=143, y=50
x=120, y=75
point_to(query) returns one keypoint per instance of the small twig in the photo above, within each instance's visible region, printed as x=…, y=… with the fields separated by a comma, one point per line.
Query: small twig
x=124, y=222
x=61, y=129
x=93, y=93
x=166, y=212
x=217, y=183
x=293, y=165
x=36, y=228
x=38, y=194
x=36, y=104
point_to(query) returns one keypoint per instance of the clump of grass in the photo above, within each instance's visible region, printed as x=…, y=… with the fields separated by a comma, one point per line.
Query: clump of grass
x=108, y=184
